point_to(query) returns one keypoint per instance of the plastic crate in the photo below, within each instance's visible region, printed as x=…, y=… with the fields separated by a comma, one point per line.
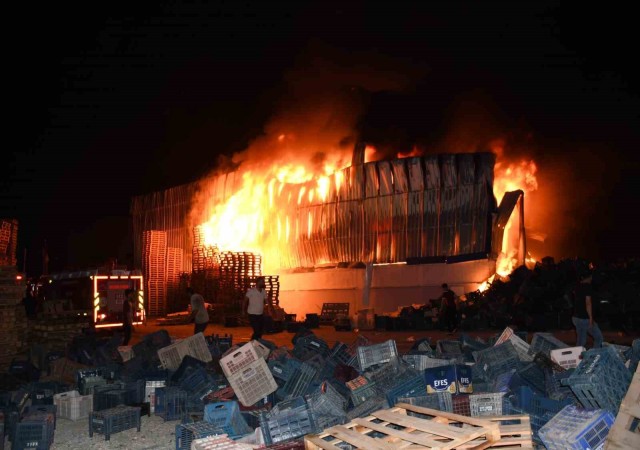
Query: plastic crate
x=412, y=386
x=73, y=406
x=308, y=346
x=578, y=429
x=342, y=354
x=372, y=355
x=253, y=383
x=114, y=420
x=100, y=400
x=464, y=379
x=449, y=348
x=545, y=342
x=327, y=406
x=150, y=391
x=87, y=384
x=533, y=375
x=189, y=432
x=226, y=416
x=519, y=344
x=460, y=404
x=486, y=404
x=362, y=390
x=42, y=392
x=469, y=343
x=553, y=385
x=34, y=432
x=239, y=359
x=601, y=380
x=170, y=403
x=196, y=346
x=198, y=383
x=567, y=358
x=298, y=382
x=287, y=424
x=24, y=370
x=366, y=408
x=188, y=364
x=497, y=359
x=283, y=370
x=440, y=401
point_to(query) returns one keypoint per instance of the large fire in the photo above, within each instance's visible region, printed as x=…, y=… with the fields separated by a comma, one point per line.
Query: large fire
x=254, y=219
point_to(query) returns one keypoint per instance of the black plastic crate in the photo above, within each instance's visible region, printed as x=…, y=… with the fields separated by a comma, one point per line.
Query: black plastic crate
x=171, y=403
x=35, y=410
x=100, y=399
x=114, y=420
x=24, y=370
x=188, y=364
x=34, y=432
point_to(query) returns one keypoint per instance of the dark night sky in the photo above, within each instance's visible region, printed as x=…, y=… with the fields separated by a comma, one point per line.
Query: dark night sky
x=111, y=100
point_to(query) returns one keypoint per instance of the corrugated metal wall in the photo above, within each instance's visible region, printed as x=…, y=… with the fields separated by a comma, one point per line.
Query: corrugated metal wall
x=383, y=212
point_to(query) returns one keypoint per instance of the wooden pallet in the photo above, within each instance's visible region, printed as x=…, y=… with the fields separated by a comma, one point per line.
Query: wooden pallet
x=512, y=436
x=625, y=432
x=433, y=430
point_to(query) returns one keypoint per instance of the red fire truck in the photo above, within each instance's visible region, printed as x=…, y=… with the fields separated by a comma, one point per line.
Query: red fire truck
x=94, y=294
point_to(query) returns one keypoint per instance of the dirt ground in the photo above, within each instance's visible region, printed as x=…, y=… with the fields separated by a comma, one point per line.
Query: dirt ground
x=157, y=434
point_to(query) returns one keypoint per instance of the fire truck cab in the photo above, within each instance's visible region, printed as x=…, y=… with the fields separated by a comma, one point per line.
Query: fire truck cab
x=95, y=294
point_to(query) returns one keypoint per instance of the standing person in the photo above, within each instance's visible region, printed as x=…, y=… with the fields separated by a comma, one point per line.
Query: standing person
x=127, y=315
x=583, y=317
x=254, y=306
x=199, y=312
x=448, y=308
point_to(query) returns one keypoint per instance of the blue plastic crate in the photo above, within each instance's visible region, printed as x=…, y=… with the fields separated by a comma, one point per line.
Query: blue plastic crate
x=283, y=370
x=226, y=416
x=366, y=408
x=497, y=359
x=170, y=403
x=554, y=387
x=198, y=383
x=545, y=342
x=327, y=406
x=341, y=353
x=298, y=383
x=409, y=387
x=188, y=364
x=576, y=429
x=307, y=346
x=114, y=420
x=469, y=343
x=534, y=376
x=601, y=380
x=35, y=431
x=289, y=421
x=34, y=410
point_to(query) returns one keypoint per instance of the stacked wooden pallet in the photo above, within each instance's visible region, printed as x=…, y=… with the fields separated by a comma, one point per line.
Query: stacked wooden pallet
x=55, y=334
x=272, y=284
x=13, y=319
x=154, y=269
x=625, y=432
x=174, y=269
x=8, y=241
x=408, y=426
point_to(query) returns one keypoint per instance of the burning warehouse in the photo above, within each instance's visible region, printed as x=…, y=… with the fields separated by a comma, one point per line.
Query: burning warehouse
x=376, y=234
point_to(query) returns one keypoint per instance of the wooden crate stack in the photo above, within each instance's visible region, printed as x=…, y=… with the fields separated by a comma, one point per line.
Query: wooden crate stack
x=154, y=265
x=272, y=283
x=8, y=241
x=56, y=334
x=174, y=269
x=13, y=319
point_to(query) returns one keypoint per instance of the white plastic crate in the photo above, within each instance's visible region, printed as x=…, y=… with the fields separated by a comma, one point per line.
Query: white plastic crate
x=196, y=346
x=126, y=352
x=261, y=350
x=568, y=358
x=486, y=404
x=253, y=383
x=239, y=359
x=73, y=406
